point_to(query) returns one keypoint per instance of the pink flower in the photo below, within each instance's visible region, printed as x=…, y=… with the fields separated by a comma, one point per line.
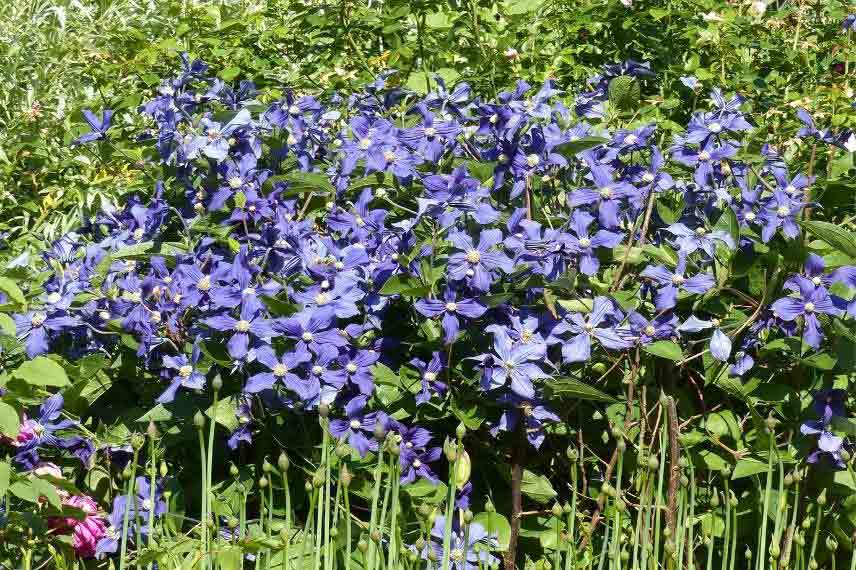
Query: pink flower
x=85, y=533
x=29, y=430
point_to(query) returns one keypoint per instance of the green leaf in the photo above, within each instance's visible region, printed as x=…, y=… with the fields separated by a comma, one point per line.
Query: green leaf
x=821, y=361
x=833, y=234
x=495, y=523
x=728, y=223
x=302, y=183
x=537, y=487
x=572, y=388
x=522, y=6
x=5, y=474
x=624, y=93
x=573, y=147
x=9, y=421
x=24, y=491
x=41, y=371
x=12, y=290
x=746, y=467
x=664, y=349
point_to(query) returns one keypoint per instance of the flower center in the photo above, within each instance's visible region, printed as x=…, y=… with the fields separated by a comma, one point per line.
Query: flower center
x=430, y=131
x=457, y=554
x=351, y=367
x=294, y=110
x=816, y=280
x=54, y=298
x=280, y=370
x=700, y=231
x=242, y=326
x=365, y=143
x=750, y=216
x=429, y=376
x=235, y=182
x=677, y=279
x=355, y=424
x=317, y=370
x=307, y=336
x=790, y=189
x=783, y=210
x=526, y=335
x=147, y=505
x=132, y=296
x=389, y=156
x=473, y=256
x=451, y=307
x=213, y=134
x=715, y=128
x=417, y=464
x=647, y=178
x=249, y=291
x=631, y=139
x=493, y=119
x=322, y=298
x=809, y=307
x=704, y=156
x=585, y=242
x=204, y=284
x=359, y=221
x=650, y=330
x=185, y=371
x=38, y=319
x=605, y=192
x=532, y=160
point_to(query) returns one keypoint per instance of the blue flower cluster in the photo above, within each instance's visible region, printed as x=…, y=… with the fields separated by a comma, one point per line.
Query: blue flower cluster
x=316, y=239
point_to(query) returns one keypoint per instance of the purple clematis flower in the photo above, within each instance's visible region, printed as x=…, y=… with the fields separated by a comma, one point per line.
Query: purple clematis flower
x=416, y=463
x=463, y=554
x=358, y=428
x=250, y=323
x=186, y=374
x=43, y=432
x=36, y=329
x=671, y=282
x=284, y=370
x=599, y=324
x=701, y=238
x=477, y=264
x=429, y=374
x=808, y=303
x=534, y=415
x=512, y=365
x=98, y=127
x=720, y=343
x=452, y=308
x=585, y=245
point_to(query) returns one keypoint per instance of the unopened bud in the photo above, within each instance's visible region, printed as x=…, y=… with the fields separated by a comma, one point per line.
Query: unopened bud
x=217, y=383
x=489, y=507
x=379, y=431
x=573, y=454
x=845, y=455
x=163, y=469
x=126, y=473
x=283, y=462
x=345, y=478
x=557, y=510
x=152, y=431
x=233, y=470
x=468, y=516
x=318, y=479
x=198, y=420
x=821, y=499
x=137, y=441
x=266, y=466
x=323, y=410
x=463, y=470
x=232, y=522
x=653, y=463
x=831, y=543
x=363, y=546
x=263, y=482
x=461, y=431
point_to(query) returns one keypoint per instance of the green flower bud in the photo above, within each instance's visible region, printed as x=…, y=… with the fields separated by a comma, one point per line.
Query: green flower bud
x=468, y=516
x=714, y=499
x=775, y=551
x=126, y=473
x=318, y=479
x=489, y=507
x=266, y=466
x=379, y=431
x=821, y=499
x=233, y=470
x=323, y=410
x=557, y=510
x=363, y=546
x=813, y=564
x=424, y=510
x=461, y=431
x=394, y=449
x=217, y=383
x=566, y=508
x=345, y=478
x=573, y=454
x=621, y=446
x=283, y=463
x=137, y=441
x=232, y=522
x=653, y=463
x=748, y=553
x=334, y=532
x=845, y=455
x=307, y=486
x=152, y=430
x=164, y=470
x=283, y=535
x=375, y=536
x=198, y=420
x=831, y=543
x=463, y=470
x=263, y=482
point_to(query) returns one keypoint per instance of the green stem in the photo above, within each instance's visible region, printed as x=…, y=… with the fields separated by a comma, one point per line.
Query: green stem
x=450, y=506
x=378, y=474
x=203, y=500
x=762, y=545
x=392, y=559
x=152, y=489
x=129, y=501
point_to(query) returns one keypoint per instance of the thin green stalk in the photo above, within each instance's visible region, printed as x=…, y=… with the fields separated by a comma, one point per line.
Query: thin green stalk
x=450, y=505
x=691, y=526
x=734, y=516
x=392, y=560
x=203, y=500
x=817, y=525
x=606, y=543
x=660, y=480
x=680, y=528
x=269, y=523
x=348, y=537
x=128, y=502
x=378, y=474
x=323, y=503
x=616, y=521
x=726, y=506
x=210, y=537
x=328, y=553
x=307, y=531
x=762, y=545
x=152, y=489
x=570, y=555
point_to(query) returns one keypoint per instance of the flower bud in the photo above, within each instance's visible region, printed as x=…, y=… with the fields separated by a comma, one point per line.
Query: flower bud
x=831, y=543
x=775, y=551
x=664, y=400
x=137, y=441
x=375, y=536
x=233, y=470
x=463, y=470
x=152, y=430
x=232, y=522
x=217, y=383
x=424, y=510
x=318, y=479
x=468, y=516
x=307, y=486
x=845, y=455
x=394, y=449
x=362, y=546
x=419, y=544
x=263, y=482
x=566, y=508
x=379, y=431
x=126, y=473
x=461, y=431
x=726, y=471
x=283, y=535
x=342, y=451
x=748, y=553
x=714, y=500
x=621, y=445
x=334, y=532
x=345, y=478
x=557, y=510
x=821, y=499
x=323, y=410
x=198, y=420
x=789, y=480
x=163, y=469
x=283, y=462
x=489, y=507
x=653, y=463
x=266, y=466
x=573, y=454
x=771, y=423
